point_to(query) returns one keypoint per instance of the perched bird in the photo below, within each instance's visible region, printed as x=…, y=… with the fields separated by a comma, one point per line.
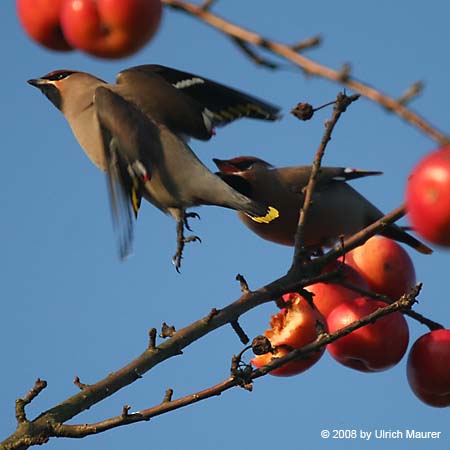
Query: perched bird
x=135, y=130
x=336, y=209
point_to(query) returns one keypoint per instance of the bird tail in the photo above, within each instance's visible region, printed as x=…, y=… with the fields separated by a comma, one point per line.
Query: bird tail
x=257, y=211
x=396, y=233
x=269, y=214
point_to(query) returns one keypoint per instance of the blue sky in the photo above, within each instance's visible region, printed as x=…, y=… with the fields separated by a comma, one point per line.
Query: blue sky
x=70, y=307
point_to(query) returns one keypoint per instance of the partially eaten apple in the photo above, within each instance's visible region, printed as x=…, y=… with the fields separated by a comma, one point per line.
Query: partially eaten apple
x=293, y=327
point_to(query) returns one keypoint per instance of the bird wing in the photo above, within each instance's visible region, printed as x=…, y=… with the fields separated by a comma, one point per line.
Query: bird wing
x=297, y=177
x=126, y=132
x=220, y=103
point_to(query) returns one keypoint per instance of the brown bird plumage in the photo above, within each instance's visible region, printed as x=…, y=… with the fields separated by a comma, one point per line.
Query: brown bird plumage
x=336, y=210
x=135, y=129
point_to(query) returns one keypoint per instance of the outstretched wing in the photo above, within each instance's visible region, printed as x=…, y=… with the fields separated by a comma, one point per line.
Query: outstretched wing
x=219, y=104
x=126, y=134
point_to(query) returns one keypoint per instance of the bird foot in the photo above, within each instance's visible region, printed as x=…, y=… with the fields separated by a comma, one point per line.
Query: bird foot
x=182, y=239
x=191, y=239
x=189, y=215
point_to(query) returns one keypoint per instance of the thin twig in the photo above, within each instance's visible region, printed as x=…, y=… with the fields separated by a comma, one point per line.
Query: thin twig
x=253, y=56
x=207, y=4
x=404, y=303
x=243, y=283
x=49, y=423
x=152, y=338
x=431, y=324
x=341, y=104
x=38, y=387
x=361, y=236
x=240, y=332
x=310, y=67
x=411, y=93
x=306, y=44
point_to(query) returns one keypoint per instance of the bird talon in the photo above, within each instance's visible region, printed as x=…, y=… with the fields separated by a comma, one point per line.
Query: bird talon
x=191, y=239
x=192, y=215
x=189, y=215
x=176, y=261
x=182, y=240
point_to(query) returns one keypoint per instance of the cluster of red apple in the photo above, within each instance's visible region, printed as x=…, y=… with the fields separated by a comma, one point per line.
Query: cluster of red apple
x=104, y=28
x=382, y=266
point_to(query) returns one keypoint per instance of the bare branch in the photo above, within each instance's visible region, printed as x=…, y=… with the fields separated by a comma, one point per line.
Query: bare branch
x=361, y=236
x=311, y=67
x=411, y=93
x=306, y=44
x=404, y=303
x=431, y=324
x=152, y=338
x=240, y=332
x=77, y=382
x=207, y=4
x=168, y=395
x=38, y=387
x=167, y=331
x=341, y=104
x=243, y=283
x=253, y=56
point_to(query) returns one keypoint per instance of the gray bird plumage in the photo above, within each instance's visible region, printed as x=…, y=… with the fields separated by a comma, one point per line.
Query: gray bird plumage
x=336, y=209
x=133, y=130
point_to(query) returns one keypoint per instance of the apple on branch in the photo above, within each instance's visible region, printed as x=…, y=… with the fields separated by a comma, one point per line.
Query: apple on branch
x=41, y=21
x=110, y=28
x=328, y=295
x=385, y=265
x=293, y=327
x=428, y=368
x=428, y=197
x=374, y=347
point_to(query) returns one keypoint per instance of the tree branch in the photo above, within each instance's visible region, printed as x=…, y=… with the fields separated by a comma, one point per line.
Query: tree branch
x=311, y=67
x=78, y=431
x=340, y=106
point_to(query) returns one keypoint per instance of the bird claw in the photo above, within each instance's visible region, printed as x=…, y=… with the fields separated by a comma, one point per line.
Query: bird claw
x=192, y=239
x=182, y=239
x=189, y=215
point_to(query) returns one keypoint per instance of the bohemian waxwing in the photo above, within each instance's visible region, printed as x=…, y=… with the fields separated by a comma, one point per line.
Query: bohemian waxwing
x=336, y=209
x=135, y=129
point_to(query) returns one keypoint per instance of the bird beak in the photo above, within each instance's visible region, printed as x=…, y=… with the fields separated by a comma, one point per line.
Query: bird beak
x=36, y=82
x=225, y=166
x=49, y=89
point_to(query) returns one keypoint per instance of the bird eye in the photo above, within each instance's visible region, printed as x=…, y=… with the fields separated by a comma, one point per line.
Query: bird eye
x=58, y=75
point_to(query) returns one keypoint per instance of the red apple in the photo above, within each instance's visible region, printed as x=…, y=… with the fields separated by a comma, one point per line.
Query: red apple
x=293, y=327
x=373, y=347
x=428, y=197
x=41, y=21
x=385, y=265
x=331, y=294
x=110, y=28
x=428, y=368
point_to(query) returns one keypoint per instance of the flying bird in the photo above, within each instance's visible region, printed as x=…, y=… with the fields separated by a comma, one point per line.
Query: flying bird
x=136, y=130
x=336, y=209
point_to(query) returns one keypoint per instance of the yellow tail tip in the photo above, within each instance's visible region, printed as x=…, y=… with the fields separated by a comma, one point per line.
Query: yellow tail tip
x=135, y=202
x=272, y=214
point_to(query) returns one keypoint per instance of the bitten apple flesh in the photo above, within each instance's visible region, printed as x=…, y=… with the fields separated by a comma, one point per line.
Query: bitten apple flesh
x=293, y=327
